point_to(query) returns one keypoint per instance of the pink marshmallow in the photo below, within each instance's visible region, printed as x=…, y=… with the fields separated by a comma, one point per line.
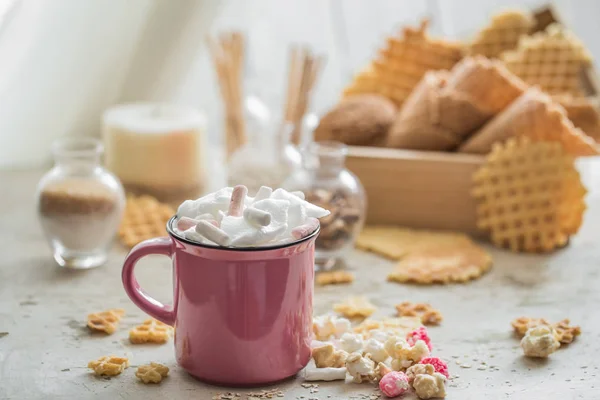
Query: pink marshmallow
x=236, y=205
x=185, y=223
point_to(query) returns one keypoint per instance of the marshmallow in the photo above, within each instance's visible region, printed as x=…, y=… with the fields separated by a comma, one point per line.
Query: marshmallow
x=238, y=196
x=263, y=193
x=351, y=342
x=270, y=218
x=299, y=194
x=213, y=233
x=185, y=223
x=257, y=217
x=306, y=229
x=324, y=374
x=311, y=209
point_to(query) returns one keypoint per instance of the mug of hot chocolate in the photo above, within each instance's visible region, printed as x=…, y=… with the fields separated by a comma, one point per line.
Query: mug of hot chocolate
x=243, y=270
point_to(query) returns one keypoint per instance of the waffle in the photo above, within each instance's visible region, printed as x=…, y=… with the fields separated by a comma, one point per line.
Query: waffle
x=144, y=218
x=502, y=33
x=486, y=83
x=584, y=112
x=427, y=314
x=105, y=321
x=535, y=115
x=426, y=257
x=109, y=365
x=552, y=59
x=151, y=331
x=530, y=197
x=442, y=265
x=152, y=373
x=401, y=64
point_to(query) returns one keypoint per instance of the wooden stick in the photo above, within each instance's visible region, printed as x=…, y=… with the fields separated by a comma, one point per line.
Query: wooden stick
x=227, y=52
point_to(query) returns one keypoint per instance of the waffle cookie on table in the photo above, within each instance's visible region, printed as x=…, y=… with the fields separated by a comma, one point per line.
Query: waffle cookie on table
x=503, y=33
x=553, y=60
x=151, y=331
x=530, y=197
x=426, y=257
x=144, y=218
x=403, y=62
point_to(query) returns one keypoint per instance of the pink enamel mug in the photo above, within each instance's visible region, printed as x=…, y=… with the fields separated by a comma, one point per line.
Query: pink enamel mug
x=243, y=316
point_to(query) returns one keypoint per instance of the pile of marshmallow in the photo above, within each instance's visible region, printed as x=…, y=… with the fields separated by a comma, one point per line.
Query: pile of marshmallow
x=231, y=218
x=398, y=363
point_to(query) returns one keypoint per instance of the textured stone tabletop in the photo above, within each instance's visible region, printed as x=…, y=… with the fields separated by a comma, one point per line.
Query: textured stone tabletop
x=45, y=347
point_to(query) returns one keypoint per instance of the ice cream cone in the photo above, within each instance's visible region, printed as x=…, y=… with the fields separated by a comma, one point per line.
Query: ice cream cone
x=536, y=116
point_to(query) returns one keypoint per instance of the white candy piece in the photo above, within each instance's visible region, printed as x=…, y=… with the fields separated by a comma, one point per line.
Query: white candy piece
x=211, y=203
x=324, y=374
x=351, y=342
x=306, y=229
x=376, y=349
x=211, y=232
x=311, y=209
x=257, y=217
x=299, y=194
x=261, y=236
x=263, y=193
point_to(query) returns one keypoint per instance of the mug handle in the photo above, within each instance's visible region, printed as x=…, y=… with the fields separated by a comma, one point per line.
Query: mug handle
x=146, y=303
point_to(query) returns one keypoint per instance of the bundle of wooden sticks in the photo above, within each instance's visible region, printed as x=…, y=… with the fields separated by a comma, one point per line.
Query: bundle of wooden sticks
x=304, y=68
x=227, y=51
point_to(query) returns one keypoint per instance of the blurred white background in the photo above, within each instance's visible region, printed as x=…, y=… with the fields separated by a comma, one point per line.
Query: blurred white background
x=62, y=62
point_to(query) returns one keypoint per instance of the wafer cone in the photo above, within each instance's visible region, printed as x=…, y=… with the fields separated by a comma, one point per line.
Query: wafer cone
x=584, y=112
x=536, y=116
x=502, y=33
x=434, y=118
x=486, y=82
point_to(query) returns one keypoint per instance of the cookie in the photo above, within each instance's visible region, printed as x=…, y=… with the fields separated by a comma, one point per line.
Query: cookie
x=144, y=218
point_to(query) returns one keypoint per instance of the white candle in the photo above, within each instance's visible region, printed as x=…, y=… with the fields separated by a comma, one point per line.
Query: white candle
x=156, y=149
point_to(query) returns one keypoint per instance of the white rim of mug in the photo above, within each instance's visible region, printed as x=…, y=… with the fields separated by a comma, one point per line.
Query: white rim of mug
x=172, y=233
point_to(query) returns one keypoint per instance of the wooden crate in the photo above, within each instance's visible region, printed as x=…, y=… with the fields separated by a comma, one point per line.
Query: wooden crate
x=429, y=190
x=416, y=188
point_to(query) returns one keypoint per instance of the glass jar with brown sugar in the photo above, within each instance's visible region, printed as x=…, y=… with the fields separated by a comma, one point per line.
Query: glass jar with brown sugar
x=80, y=204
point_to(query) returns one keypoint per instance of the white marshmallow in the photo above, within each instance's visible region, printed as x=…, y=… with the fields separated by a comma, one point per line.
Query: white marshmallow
x=211, y=203
x=324, y=374
x=311, y=209
x=213, y=233
x=263, y=193
x=257, y=217
x=299, y=194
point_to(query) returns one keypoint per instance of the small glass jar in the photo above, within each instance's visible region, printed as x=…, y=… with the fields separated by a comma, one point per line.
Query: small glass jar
x=327, y=183
x=265, y=160
x=80, y=204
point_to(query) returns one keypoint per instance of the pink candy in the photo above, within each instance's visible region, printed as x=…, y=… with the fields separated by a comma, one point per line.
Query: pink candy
x=394, y=384
x=439, y=365
x=236, y=205
x=419, y=334
x=303, y=231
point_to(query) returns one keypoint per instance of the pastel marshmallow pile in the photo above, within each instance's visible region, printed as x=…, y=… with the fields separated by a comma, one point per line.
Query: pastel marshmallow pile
x=231, y=218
